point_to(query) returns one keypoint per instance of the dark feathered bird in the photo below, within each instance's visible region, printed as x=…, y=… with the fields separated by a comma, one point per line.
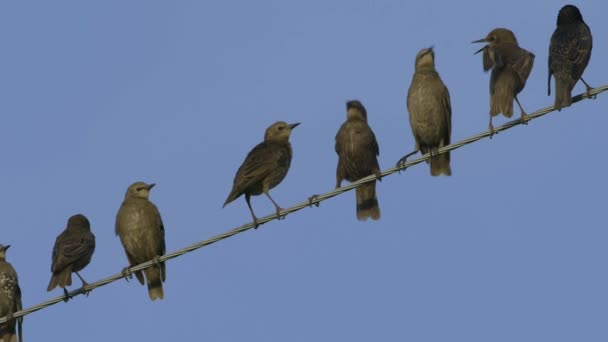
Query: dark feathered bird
x=569, y=54
x=264, y=167
x=511, y=66
x=428, y=102
x=141, y=231
x=10, y=300
x=72, y=252
x=357, y=150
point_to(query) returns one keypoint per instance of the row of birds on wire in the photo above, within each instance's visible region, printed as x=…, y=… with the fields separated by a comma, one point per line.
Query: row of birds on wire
x=138, y=221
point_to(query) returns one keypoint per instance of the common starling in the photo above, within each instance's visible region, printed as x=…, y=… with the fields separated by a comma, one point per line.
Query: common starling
x=10, y=300
x=428, y=102
x=511, y=66
x=264, y=167
x=357, y=150
x=141, y=231
x=569, y=54
x=72, y=252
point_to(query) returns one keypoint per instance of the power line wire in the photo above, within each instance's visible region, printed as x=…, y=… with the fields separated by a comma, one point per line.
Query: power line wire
x=312, y=201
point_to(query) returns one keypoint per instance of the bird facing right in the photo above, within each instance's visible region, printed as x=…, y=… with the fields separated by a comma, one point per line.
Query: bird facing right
x=265, y=166
x=72, y=252
x=10, y=300
x=569, y=54
x=357, y=151
x=428, y=102
x=511, y=66
x=142, y=233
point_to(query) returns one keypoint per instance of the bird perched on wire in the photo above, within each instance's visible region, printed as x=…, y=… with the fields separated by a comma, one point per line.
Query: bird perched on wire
x=511, y=66
x=428, y=102
x=142, y=233
x=357, y=150
x=569, y=54
x=10, y=300
x=265, y=166
x=72, y=252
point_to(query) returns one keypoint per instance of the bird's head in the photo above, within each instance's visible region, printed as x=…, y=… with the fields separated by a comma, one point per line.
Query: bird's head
x=139, y=190
x=355, y=110
x=279, y=131
x=497, y=36
x=569, y=14
x=425, y=58
x=79, y=221
x=3, y=251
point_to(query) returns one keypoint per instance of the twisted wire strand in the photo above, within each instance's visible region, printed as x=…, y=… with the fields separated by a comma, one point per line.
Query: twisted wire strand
x=315, y=200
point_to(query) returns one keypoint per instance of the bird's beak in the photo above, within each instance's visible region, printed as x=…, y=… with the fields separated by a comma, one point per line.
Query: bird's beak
x=482, y=40
x=7, y=247
x=151, y=186
x=478, y=51
x=294, y=125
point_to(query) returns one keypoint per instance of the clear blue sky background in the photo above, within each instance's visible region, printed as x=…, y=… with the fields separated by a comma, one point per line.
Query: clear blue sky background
x=97, y=95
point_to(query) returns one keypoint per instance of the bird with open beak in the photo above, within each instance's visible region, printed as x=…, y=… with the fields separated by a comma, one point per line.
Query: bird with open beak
x=511, y=66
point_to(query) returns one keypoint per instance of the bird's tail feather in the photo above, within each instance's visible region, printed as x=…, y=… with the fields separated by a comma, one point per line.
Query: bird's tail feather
x=367, y=202
x=563, y=94
x=502, y=101
x=155, y=285
x=440, y=165
x=61, y=279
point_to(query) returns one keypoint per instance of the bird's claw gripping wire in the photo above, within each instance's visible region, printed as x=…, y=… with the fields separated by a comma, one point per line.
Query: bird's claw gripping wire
x=313, y=198
x=127, y=274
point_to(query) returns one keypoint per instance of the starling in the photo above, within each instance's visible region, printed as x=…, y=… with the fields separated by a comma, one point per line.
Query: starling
x=72, y=252
x=511, y=66
x=357, y=149
x=141, y=231
x=264, y=167
x=10, y=300
x=428, y=102
x=569, y=54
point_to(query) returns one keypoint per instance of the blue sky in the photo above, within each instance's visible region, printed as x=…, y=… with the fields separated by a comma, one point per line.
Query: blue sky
x=97, y=95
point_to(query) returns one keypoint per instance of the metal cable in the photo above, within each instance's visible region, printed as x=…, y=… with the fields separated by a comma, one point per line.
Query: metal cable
x=315, y=200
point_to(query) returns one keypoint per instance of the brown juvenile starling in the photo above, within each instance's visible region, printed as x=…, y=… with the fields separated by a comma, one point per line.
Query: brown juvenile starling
x=72, y=252
x=357, y=150
x=511, y=66
x=264, y=167
x=141, y=231
x=428, y=102
x=569, y=54
x=10, y=300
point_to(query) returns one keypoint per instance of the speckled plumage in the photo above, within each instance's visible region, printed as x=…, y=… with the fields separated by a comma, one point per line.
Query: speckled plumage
x=569, y=54
x=10, y=300
x=357, y=151
x=142, y=233
x=265, y=166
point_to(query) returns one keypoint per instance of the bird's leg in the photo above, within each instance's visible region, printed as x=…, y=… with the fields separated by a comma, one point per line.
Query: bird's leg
x=255, y=219
x=312, y=199
x=66, y=296
x=589, y=88
x=491, y=128
x=84, y=284
x=275, y=205
x=523, y=113
x=378, y=175
x=126, y=273
x=403, y=160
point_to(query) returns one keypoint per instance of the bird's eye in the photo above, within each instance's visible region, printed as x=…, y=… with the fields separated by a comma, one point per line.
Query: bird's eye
x=281, y=128
x=139, y=189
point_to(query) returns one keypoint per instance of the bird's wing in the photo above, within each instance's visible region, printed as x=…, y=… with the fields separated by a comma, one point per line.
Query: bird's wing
x=579, y=51
x=522, y=63
x=260, y=162
x=491, y=58
x=68, y=249
x=447, y=109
